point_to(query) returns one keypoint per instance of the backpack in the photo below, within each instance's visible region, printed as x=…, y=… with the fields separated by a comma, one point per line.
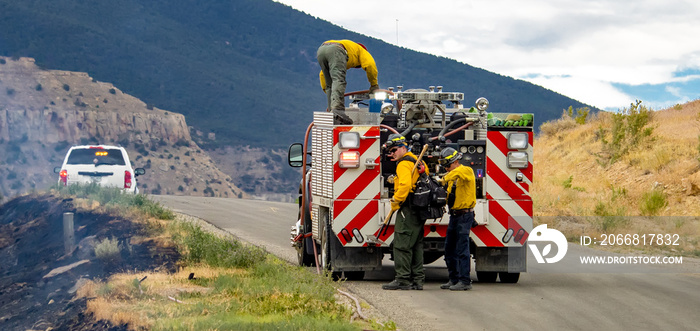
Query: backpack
x=428, y=197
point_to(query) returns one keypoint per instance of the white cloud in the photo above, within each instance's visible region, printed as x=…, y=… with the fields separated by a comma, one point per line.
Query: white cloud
x=579, y=48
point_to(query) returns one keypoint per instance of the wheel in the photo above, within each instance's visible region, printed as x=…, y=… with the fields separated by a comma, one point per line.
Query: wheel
x=486, y=276
x=305, y=259
x=431, y=257
x=508, y=277
x=325, y=259
x=305, y=256
x=325, y=250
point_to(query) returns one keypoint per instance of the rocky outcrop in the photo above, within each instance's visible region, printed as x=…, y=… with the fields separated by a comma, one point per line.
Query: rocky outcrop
x=51, y=105
x=44, y=112
x=54, y=125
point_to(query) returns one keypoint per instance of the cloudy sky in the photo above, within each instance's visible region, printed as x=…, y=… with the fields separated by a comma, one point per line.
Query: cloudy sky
x=606, y=53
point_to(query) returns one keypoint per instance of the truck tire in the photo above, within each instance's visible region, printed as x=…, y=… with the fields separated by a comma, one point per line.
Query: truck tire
x=305, y=259
x=325, y=249
x=486, y=276
x=325, y=259
x=509, y=277
x=305, y=256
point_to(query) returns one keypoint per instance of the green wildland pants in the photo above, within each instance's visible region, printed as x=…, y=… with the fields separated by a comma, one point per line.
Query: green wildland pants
x=333, y=60
x=408, y=247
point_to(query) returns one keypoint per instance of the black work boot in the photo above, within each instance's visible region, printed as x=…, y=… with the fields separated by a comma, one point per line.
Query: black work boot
x=340, y=117
x=396, y=285
x=417, y=287
x=447, y=285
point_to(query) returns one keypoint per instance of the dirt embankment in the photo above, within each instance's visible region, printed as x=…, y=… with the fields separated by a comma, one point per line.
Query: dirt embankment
x=38, y=280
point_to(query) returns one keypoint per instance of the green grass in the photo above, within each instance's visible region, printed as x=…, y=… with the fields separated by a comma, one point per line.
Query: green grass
x=116, y=197
x=203, y=247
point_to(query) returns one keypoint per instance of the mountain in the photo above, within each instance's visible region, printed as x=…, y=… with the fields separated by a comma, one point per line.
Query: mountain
x=243, y=70
x=44, y=112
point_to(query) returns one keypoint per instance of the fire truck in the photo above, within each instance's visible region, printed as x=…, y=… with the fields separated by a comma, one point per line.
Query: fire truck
x=345, y=191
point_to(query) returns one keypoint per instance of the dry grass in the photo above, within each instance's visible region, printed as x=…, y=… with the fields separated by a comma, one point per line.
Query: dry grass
x=269, y=294
x=667, y=162
x=122, y=297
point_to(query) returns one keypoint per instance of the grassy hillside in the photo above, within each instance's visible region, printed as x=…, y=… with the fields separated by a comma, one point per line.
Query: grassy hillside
x=245, y=70
x=636, y=163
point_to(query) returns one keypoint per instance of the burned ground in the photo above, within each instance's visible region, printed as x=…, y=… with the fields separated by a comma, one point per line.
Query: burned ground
x=38, y=280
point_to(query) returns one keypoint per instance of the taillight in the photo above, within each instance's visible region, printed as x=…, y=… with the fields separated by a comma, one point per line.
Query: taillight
x=63, y=177
x=127, y=179
x=349, y=159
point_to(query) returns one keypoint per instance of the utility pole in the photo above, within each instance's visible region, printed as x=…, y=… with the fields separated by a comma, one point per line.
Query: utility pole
x=398, y=53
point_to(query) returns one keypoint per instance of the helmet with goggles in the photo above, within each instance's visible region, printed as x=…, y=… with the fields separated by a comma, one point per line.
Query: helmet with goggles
x=394, y=140
x=448, y=156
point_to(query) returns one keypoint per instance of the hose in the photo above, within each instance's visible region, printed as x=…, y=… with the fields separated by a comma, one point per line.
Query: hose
x=303, y=189
x=388, y=128
x=357, y=304
x=410, y=127
x=443, y=134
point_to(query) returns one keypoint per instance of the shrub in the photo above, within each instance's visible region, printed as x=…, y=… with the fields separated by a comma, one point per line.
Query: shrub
x=581, y=114
x=628, y=131
x=108, y=251
x=567, y=182
x=556, y=126
x=38, y=87
x=10, y=91
x=66, y=87
x=652, y=202
x=2, y=61
x=113, y=91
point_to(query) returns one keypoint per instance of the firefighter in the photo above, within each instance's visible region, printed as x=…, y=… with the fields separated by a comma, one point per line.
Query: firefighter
x=461, y=193
x=335, y=57
x=408, y=229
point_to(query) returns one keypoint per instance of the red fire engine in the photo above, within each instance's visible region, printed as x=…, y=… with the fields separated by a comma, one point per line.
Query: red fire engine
x=345, y=191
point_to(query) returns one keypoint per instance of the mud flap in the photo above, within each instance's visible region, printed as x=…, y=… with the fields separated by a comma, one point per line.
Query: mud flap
x=354, y=258
x=501, y=259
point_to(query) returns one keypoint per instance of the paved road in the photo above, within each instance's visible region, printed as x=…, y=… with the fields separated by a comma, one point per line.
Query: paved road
x=604, y=301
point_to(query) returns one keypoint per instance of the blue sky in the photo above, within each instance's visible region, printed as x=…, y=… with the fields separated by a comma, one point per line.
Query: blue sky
x=607, y=53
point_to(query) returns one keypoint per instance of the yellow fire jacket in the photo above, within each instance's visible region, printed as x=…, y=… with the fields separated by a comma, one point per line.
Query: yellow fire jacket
x=465, y=193
x=404, y=182
x=358, y=57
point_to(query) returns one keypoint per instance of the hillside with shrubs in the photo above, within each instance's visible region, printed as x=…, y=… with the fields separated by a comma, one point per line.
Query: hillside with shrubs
x=634, y=170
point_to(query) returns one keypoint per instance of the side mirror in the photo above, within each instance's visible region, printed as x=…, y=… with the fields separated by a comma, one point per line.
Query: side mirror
x=139, y=171
x=295, y=157
x=56, y=170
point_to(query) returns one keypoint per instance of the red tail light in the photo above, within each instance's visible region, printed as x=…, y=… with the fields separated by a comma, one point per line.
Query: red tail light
x=63, y=177
x=127, y=179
